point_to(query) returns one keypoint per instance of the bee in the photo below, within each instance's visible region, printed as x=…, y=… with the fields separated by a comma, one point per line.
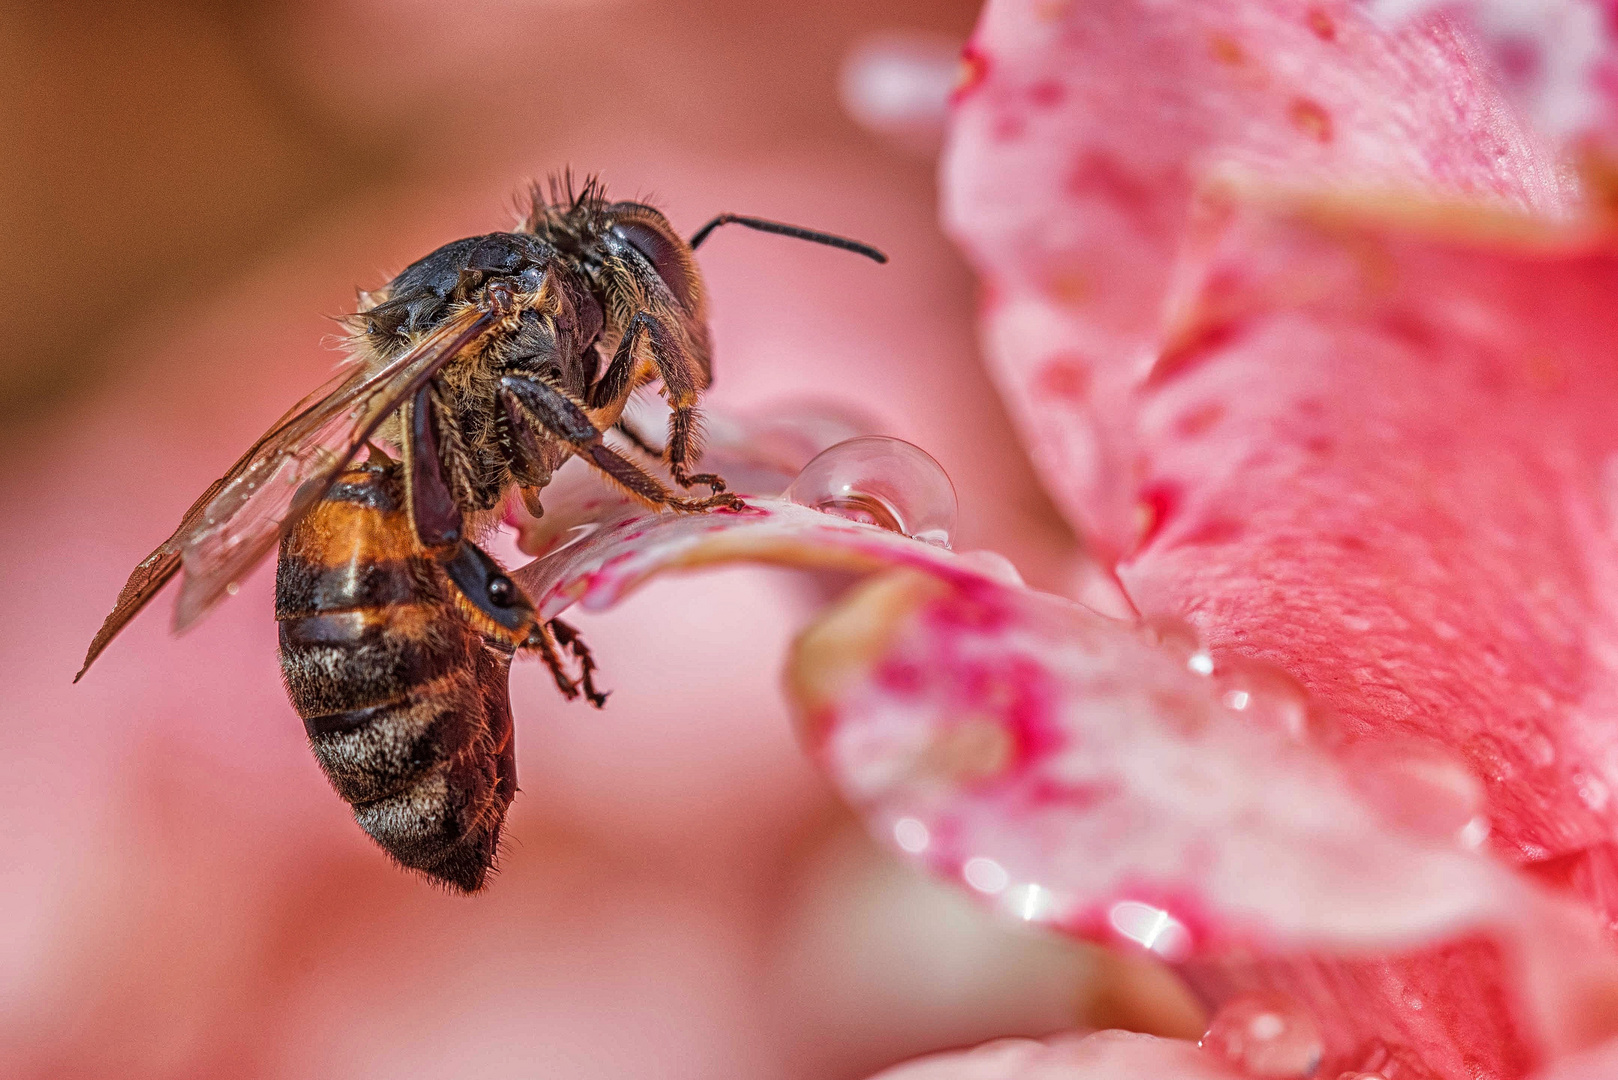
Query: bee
x=397, y=659
x=486, y=365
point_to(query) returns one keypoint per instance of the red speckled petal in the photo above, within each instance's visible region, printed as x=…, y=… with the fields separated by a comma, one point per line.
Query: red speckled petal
x=1392, y=471
x=1106, y=1055
x=1084, y=132
x=1559, y=58
x=1083, y=773
x=1113, y=781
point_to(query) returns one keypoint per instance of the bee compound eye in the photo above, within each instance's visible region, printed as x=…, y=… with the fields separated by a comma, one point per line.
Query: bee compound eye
x=502, y=593
x=663, y=252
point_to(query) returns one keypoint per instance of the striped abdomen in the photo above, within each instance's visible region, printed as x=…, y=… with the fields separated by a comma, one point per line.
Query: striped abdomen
x=404, y=701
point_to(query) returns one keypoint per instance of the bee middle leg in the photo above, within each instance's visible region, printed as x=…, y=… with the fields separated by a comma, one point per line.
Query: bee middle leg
x=536, y=401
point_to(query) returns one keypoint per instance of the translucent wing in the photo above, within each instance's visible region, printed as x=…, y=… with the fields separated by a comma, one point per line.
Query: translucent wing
x=241, y=517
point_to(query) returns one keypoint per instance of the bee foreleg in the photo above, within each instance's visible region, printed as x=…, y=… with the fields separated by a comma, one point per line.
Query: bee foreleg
x=541, y=403
x=682, y=379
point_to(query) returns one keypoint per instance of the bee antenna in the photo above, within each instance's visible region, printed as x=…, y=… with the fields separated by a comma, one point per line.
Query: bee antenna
x=781, y=229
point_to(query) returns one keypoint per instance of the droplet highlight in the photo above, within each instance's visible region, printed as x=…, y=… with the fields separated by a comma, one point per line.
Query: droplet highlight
x=1151, y=927
x=880, y=481
x=1265, y=1035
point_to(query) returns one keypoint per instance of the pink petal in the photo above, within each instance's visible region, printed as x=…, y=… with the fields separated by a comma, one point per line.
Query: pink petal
x=1394, y=478
x=1559, y=58
x=1078, y=771
x=1598, y=1064
x=1106, y=1055
x=1085, y=131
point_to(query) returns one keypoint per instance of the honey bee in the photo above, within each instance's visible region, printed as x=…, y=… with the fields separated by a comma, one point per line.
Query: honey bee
x=397, y=659
x=486, y=365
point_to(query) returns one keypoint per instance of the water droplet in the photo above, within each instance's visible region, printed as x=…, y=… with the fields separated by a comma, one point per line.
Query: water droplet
x=912, y=835
x=1030, y=902
x=1423, y=788
x=1152, y=927
x=880, y=481
x=1174, y=636
x=1201, y=662
x=1265, y=695
x=985, y=875
x=1471, y=835
x=232, y=589
x=1265, y=1035
x=1593, y=792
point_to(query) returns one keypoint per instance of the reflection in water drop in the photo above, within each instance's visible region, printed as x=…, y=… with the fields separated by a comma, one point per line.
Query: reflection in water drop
x=985, y=875
x=880, y=481
x=1033, y=903
x=1264, y=695
x=1265, y=1035
x=911, y=835
x=1152, y=927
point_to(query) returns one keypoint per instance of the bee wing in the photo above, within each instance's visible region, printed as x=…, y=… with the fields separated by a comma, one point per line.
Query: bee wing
x=241, y=517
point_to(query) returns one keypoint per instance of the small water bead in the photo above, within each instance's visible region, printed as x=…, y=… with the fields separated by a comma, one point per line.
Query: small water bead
x=1151, y=927
x=1264, y=695
x=1265, y=1035
x=880, y=481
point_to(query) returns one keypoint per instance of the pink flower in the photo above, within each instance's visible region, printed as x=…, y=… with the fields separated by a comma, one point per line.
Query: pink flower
x=1308, y=329
x=1312, y=335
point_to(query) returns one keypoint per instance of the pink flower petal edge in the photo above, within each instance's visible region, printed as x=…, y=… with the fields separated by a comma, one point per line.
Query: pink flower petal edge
x=1113, y=781
x=1105, y=1055
x=1084, y=132
x=1558, y=58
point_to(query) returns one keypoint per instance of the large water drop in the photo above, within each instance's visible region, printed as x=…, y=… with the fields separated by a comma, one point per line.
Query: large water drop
x=880, y=481
x=1265, y=1035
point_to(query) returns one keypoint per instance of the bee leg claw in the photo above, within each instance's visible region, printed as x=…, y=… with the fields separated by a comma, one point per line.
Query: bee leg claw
x=724, y=500
x=713, y=481
x=568, y=638
x=546, y=647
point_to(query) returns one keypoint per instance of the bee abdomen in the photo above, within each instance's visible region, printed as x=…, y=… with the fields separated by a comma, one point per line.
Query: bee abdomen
x=447, y=821
x=303, y=587
x=338, y=662
x=375, y=752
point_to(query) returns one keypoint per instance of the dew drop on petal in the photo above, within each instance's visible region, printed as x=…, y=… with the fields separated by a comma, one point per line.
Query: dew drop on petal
x=1264, y=695
x=1265, y=1035
x=1029, y=902
x=1425, y=789
x=985, y=875
x=911, y=835
x=1176, y=637
x=880, y=481
x=1151, y=927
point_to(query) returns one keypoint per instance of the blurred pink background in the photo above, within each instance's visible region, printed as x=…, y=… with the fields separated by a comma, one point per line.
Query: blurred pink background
x=192, y=190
